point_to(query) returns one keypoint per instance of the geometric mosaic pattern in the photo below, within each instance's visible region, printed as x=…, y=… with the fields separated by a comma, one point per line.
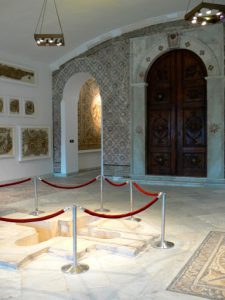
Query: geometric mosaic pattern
x=108, y=63
x=109, y=67
x=204, y=274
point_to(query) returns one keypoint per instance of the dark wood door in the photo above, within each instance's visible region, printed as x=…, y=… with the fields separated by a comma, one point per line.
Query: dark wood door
x=176, y=140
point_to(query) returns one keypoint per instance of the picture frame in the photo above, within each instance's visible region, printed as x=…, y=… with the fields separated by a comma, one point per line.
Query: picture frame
x=29, y=107
x=17, y=73
x=14, y=106
x=34, y=142
x=3, y=105
x=7, y=136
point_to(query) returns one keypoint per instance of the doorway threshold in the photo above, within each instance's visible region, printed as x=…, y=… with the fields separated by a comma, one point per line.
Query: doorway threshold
x=176, y=181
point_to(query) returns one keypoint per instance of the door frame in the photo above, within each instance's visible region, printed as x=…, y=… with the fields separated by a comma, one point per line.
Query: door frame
x=144, y=51
x=176, y=147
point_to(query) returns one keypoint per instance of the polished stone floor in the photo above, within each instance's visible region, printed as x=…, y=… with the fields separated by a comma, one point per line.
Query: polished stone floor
x=191, y=214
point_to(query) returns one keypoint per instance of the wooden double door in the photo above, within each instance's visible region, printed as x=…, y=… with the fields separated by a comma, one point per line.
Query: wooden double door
x=176, y=139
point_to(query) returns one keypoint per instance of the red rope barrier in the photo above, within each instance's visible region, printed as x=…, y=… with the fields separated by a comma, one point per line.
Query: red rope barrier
x=33, y=219
x=143, y=191
x=92, y=213
x=14, y=183
x=114, y=183
x=68, y=187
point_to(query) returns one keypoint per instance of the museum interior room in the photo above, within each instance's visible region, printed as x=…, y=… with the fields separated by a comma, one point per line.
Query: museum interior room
x=112, y=180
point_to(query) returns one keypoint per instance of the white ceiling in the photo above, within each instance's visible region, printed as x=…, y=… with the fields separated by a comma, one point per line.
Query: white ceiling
x=82, y=21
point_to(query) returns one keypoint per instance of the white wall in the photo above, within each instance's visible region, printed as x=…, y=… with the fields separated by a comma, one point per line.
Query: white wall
x=89, y=159
x=11, y=168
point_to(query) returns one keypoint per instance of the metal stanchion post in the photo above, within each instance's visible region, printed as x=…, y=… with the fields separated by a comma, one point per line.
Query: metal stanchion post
x=102, y=209
x=162, y=243
x=132, y=218
x=36, y=212
x=75, y=268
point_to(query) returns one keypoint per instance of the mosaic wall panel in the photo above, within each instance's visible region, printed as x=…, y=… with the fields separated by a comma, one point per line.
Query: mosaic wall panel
x=89, y=116
x=108, y=63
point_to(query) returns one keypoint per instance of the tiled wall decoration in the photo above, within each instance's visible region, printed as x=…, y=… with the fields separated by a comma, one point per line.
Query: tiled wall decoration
x=110, y=67
x=109, y=64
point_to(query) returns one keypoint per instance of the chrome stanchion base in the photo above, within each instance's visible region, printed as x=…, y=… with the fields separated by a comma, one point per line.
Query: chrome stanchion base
x=71, y=269
x=132, y=218
x=36, y=212
x=164, y=245
x=102, y=210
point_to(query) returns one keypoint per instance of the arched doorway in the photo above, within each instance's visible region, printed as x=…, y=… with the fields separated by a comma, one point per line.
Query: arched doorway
x=176, y=132
x=73, y=160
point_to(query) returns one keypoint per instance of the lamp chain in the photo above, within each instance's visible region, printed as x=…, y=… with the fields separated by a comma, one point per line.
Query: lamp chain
x=58, y=17
x=41, y=16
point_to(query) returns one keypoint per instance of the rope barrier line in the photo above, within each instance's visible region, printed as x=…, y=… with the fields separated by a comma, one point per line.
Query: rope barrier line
x=14, y=183
x=29, y=220
x=67, y=187
x=105, y=216
x=140, y=189
x=92, y=213
x=114, y=183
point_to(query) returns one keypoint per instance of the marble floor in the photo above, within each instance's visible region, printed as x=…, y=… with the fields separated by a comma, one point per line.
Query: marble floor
x=191, y=214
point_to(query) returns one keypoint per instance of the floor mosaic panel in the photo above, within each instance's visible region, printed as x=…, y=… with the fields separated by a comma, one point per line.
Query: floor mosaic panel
x=204, y=273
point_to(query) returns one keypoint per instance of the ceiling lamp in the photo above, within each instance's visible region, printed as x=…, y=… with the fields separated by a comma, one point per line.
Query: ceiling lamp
x=205, y=13
x=48, y=39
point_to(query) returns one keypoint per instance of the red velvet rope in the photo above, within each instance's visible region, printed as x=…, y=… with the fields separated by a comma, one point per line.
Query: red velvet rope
x=143, y=191
x=68, y=187
x=92, y=213
x=114, y=183
x=14, y=183
x=33, y=219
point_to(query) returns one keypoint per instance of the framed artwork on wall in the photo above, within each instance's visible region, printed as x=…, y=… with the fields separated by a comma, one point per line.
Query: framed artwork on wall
x=2, y=105
x=29, y=107
x=17, y=73
x=14, y=106
x=6, y=141
x=34, y=143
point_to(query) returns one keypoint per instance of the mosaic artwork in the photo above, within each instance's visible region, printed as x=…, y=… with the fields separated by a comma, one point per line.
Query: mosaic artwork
x=6, y=142
x=34, y=143
x=2, y=105
x=29, y=107
x=89, y=116
x=14, y=106
x=204, y=273
x=18, y=73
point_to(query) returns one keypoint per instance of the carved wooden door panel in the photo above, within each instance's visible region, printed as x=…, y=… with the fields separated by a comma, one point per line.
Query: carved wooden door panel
x=176, y=116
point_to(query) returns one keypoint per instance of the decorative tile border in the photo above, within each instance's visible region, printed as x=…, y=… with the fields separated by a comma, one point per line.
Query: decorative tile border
x=203, y=275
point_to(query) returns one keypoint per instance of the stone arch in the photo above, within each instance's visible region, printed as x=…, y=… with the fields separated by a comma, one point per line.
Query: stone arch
x=185, y=42
x=144, y=51
x=62, y=80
